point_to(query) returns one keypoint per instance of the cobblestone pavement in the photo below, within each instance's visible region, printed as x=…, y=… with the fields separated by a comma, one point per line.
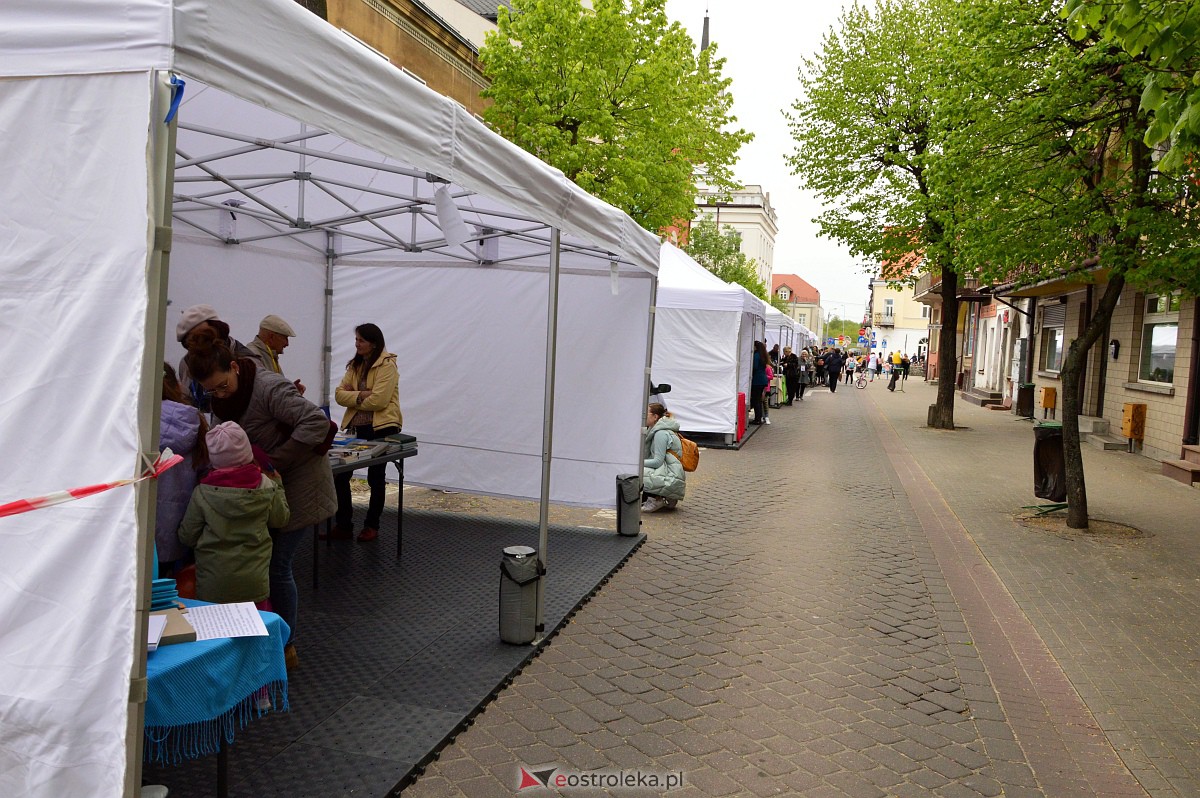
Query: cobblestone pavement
x=846, y=607
x=1119, y=612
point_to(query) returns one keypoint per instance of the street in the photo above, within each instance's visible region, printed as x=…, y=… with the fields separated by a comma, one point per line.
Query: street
x=849, y=606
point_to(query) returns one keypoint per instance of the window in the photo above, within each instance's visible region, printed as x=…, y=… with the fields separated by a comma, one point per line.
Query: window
x=924, y=311
x=1160, y=331
x=1054, y=322
x=803, y=319
x=888, y=310
x=783, y=293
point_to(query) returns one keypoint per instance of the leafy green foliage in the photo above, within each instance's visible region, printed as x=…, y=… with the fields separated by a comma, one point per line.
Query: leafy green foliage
x=617, y=98
x=1165, y=36
x=720, y=252
x=1048, y=160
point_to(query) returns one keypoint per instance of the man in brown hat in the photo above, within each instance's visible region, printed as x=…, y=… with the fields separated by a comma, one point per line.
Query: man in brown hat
x=274, y=335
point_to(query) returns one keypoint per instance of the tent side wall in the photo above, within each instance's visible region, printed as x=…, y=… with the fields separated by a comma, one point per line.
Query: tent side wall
x=696, y=352
x=73, y=316
x=471, y=354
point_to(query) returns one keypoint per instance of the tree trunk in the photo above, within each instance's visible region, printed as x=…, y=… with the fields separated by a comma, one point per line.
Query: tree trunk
x=941, y=415
x=1072, y=371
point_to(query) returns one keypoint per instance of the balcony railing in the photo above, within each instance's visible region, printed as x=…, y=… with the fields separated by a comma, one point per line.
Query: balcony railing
x=928, y=287
x=884, y=320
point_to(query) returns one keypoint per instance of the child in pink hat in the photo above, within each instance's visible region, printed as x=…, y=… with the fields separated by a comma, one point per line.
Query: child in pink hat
x=228, y=521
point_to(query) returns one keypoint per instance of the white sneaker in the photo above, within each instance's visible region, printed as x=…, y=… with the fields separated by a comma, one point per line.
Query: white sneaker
x=653, y=504
x=767, y=420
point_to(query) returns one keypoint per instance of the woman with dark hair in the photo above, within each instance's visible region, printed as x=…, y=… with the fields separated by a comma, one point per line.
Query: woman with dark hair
x=192, y=321
x=370, y=392
x=759, y=381
x=295, y=435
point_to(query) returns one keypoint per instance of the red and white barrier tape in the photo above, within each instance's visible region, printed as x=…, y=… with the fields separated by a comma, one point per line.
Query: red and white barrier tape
x=166, y=459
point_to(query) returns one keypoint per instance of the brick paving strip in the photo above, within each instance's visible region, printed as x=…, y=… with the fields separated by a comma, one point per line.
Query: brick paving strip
x=1063, y=743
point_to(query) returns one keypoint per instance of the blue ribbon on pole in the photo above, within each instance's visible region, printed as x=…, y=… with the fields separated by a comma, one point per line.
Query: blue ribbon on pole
x=177, y=86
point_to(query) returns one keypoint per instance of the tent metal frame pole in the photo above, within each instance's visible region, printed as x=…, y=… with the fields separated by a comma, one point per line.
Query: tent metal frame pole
x=160, y=184
x=547, y=431
x=651, y=317
x=327, y=335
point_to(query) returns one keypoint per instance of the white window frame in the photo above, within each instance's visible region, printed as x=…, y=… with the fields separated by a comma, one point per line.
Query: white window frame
x=1053, y=330
x=1159, y=310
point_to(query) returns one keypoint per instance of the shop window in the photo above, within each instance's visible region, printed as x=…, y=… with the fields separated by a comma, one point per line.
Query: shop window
x=1160, y=332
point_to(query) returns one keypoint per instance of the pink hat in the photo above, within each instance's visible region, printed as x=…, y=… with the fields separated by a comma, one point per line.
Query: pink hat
x=228, y=446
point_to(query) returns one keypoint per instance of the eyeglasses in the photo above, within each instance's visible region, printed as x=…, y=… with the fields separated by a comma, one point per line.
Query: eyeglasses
x=219, y=391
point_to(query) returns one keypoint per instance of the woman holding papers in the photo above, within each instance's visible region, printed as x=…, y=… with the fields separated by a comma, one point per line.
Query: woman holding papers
x=370, y=392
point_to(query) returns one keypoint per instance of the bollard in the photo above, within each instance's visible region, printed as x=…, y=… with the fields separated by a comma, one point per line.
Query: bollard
x=629, y=504
x=520, y=580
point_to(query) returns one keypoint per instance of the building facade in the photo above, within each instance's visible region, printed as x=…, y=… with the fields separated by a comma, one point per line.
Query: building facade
x=896, y=321
x=802, y=299
x=748, y=211
x=435, y=41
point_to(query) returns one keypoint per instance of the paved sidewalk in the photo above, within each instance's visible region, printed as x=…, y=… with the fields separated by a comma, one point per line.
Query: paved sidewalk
x=1120, y=615
x=847, y=607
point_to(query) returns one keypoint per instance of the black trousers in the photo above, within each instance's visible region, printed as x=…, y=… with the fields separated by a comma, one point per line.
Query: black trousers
x=756, y=403
x=790, y=382
x=376, y=479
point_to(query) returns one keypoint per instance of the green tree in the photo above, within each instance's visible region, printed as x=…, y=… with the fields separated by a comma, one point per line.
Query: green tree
x=1166, y=35
x=617, y=98
x=868, y=127
x=720, y=251
x=1050, y=159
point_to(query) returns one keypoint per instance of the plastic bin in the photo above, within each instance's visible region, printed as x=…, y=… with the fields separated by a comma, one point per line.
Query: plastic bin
x=1049, y=464
x=1025, y=399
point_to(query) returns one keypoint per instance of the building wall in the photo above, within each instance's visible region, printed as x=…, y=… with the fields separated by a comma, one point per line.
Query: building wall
x=749, y=212
x=412, y=39
x=1165, y=405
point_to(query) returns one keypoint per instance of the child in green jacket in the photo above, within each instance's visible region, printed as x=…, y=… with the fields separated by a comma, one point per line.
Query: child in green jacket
x=228, y=519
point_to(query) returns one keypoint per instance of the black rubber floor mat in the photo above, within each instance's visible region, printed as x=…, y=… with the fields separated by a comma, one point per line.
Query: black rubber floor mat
x=396, y=656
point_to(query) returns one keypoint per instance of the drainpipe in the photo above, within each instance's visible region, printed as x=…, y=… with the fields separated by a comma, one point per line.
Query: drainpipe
x=1085, y=319
x=1191, y=413
x=1031, y=346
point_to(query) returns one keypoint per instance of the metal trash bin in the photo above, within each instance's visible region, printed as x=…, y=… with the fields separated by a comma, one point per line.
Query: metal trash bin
x=629, y=504
x=1049, y=464
x=520, y=580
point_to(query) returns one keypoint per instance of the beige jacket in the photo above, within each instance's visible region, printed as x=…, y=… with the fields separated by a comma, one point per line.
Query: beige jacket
x=383, y=381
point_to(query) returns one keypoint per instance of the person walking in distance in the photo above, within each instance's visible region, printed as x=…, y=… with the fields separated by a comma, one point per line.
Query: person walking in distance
x=833, y=367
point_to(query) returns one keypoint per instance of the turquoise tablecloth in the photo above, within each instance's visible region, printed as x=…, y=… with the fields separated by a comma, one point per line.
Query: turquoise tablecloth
x=203, y=692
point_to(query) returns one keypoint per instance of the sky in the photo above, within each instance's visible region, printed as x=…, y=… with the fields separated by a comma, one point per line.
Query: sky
x=762, y=42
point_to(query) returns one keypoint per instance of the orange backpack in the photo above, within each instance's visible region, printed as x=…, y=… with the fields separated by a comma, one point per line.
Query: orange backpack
x=690, y=458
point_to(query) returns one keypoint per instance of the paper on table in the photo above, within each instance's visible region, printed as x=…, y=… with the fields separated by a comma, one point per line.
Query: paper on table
x=158, y=623
x=212, y=621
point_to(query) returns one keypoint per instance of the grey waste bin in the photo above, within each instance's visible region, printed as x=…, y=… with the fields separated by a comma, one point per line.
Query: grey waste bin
x=1049, y=463
x=1025, y=399
x=520, y=580
x=629, y=504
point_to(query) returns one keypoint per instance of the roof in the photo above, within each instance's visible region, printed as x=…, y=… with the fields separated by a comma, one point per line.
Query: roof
x=800, y=288
x=485, y=8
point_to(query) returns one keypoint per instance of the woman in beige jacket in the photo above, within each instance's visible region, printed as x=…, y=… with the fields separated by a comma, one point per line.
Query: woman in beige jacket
x=370, y=393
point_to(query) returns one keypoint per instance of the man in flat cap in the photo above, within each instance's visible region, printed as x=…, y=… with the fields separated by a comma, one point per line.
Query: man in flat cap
x=274, y=335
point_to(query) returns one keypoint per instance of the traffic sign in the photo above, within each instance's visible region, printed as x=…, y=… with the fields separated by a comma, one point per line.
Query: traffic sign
x=829, y=342
x=862, y=331
x=862, y=339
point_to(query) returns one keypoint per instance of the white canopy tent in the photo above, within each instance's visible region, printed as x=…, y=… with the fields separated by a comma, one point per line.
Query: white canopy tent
x=703, y=338
x=337, y=161
x=780, y=329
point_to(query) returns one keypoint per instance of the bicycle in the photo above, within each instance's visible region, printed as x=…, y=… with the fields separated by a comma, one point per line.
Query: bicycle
x=861, y=382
